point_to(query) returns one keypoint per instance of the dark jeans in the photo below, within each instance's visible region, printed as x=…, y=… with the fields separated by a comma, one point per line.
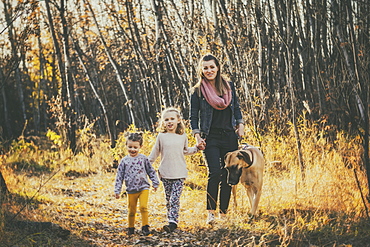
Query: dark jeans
x=219, y=142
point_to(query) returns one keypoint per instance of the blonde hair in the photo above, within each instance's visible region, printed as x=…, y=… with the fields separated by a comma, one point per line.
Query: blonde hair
x=180, y=126
x=220, y=83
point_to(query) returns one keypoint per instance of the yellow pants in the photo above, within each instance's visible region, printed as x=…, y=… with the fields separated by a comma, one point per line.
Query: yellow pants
x=142, y=196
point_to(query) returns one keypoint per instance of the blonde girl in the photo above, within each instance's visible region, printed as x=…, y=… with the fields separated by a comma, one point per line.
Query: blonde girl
x=172, y=144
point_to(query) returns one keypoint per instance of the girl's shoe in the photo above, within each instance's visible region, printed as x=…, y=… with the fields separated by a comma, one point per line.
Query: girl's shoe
x=145, y=230
x=131, y=231
x=170, y=227
x=211, y=218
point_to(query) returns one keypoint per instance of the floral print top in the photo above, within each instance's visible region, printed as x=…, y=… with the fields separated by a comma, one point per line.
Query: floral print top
x=135, y=171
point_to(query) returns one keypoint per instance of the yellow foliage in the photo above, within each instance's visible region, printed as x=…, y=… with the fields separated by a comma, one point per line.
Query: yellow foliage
x=53, y=136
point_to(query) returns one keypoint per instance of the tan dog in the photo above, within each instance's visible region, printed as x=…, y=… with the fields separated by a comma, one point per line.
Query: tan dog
x=246, y=165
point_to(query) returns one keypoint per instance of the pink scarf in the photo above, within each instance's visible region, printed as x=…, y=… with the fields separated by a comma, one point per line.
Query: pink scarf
x=219, y=103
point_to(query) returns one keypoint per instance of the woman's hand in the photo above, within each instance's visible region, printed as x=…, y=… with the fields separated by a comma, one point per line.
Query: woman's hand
x=201, y=143
x=240, y=130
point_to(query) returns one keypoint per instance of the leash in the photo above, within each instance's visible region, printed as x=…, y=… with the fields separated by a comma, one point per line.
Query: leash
x=244, y=146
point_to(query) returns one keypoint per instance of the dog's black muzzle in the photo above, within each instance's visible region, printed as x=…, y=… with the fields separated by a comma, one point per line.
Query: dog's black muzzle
x=233, y=175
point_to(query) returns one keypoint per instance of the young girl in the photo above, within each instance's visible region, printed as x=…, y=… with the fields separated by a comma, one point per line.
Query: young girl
x=172, y=145
x=134, y=169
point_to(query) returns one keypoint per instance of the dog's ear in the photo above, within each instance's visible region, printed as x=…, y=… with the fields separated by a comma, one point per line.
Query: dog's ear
x=226, y=155
x=243, y=155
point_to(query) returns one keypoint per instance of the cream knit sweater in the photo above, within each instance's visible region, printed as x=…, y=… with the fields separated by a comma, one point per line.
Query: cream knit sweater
x=172, y=148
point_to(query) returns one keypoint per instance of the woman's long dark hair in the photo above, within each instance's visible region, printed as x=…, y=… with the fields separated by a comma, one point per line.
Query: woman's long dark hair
x=220, y=83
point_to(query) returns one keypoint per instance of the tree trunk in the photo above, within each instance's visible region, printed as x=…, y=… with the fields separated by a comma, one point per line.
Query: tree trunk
x=70, y=85
x=289, y=58
x=8, y=128
x=60, y=65
x=3, y=189
x=163, y=87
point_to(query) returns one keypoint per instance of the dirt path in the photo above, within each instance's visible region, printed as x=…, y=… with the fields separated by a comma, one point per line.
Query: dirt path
x=85, y=205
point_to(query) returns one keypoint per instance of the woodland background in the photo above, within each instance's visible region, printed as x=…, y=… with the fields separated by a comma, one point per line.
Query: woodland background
x=65, y=64
x=102, y=66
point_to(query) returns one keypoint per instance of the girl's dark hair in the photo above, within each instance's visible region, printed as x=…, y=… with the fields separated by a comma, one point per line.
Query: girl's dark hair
x=135, y=137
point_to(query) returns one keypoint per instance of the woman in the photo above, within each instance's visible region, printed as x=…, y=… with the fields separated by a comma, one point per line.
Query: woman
x=216, y=122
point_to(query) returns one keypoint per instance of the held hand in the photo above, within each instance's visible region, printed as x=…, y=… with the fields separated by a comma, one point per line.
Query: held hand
x=201, y=144
x=240, y=131
x=117, y=196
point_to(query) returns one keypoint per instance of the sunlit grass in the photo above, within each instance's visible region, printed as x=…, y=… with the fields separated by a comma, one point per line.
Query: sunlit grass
x=76, y=191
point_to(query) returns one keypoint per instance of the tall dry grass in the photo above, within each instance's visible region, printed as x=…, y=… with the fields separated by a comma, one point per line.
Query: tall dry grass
x=327, y=199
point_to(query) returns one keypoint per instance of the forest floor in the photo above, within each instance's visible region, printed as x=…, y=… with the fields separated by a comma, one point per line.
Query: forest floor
x=86, y=214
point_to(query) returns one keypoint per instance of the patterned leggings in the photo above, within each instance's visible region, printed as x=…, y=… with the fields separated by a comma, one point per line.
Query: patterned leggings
x=173, y=189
